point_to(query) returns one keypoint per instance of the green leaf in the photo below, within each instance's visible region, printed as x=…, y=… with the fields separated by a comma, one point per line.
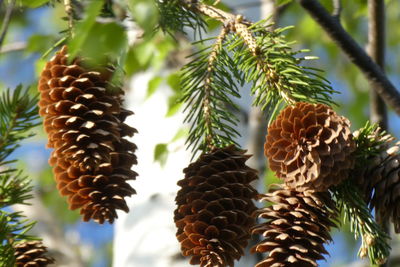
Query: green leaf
x=105, y=40
x=145, y=13
x=39, y=43
x=33, y=3
x=139, y=57
x=39, y=66
x=84, y=26
x=173, y=107
x=182, y=132
x=283, y=2
x=153, y=84
x=173, y=81
x=132, y=64
x=161, y=153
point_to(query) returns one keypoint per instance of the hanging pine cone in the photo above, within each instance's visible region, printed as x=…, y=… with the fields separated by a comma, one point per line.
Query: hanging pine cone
x=298, y=225
x=84, y=120
x=309, y=146
x=380, y=179
x=31, y=254
x=214, y=207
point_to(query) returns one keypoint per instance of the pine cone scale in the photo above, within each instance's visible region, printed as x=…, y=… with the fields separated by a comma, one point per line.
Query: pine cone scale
x=85, y=125
x=297, y=226
x=310, y=147
x=214, y=209
x=32, y=253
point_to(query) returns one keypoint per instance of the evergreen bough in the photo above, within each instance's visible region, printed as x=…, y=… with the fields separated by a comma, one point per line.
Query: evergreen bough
x=18, y=115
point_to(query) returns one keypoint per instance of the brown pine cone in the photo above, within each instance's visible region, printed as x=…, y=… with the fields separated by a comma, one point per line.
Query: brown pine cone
x=298, y=225
x=84, y=120
x=214, y=207
x=379, y=179
x=310, y=147
x=31, y=254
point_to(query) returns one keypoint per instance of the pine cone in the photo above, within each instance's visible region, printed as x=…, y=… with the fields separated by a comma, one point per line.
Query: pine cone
x=84, y=120
x=31, y=254
x=309, y=146
x=214, y=207
x=379, y=179
x=298, y=225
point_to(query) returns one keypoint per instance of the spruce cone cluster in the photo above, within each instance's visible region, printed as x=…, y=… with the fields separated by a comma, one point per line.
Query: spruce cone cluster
x=297, y=226
x=31, y=254
x=380, y=179
x=214, y=208
x=309, y=146
x=84, y=120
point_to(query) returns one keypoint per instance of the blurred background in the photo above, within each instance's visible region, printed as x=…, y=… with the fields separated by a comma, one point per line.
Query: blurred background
x=146, y=236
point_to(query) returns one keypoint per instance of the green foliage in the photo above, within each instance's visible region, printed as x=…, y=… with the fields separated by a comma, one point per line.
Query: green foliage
x=368, y=141
x=153, y=84
x=14, y=188
x=266, y=61
x=83, y=27
x=276, y=73
x=208, y=88
x=374, y=241
x=145, y=13
x=355, y=210
x=39, y=43
x=151, y=51
x=161, y=153
x=105, y=42
x=33, y=3
x=283, y=2
x=174, y=17
x=13, y=228
x=18, y=114
x=161, y=150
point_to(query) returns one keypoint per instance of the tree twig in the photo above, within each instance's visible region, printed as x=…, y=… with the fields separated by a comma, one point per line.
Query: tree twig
x=6, y=22
x=376, y=49
x=70, y=13
x=12, y=47
x=337, y=8
x=355, y=52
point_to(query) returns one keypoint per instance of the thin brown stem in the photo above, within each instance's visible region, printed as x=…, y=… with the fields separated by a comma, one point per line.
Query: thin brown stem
x=13, y=47
x=6, y=22
x=376, y=50
x=70, y=13
x=337, y=8
x=355, y=53
x=207, y=109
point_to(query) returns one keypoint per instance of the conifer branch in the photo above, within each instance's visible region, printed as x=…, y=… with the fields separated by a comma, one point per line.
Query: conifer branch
x=174, y=17
x=276, y=74
x=18, y=114
x=374, y=239
x=207, y=90
x=207, y=108
x=259, y=56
